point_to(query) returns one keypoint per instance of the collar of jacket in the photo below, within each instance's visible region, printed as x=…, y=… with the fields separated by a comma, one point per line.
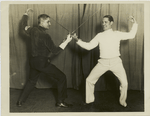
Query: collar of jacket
x=42, y=28
x=109, y=30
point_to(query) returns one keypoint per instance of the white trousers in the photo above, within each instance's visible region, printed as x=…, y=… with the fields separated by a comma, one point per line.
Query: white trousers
x=115, y=65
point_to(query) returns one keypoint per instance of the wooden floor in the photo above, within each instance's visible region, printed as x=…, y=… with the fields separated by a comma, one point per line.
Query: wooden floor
x=43, y=100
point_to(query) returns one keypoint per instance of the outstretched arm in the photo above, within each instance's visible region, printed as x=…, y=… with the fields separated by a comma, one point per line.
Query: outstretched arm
x=88, y=45
x=132, y=33
x=51, y=46
x=65, y=43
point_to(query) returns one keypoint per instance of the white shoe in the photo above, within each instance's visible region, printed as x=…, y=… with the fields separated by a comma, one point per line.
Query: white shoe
x=124, y=104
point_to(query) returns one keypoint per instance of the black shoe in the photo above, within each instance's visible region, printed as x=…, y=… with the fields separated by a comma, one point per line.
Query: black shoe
x=88, y=104
x=19, y=103
x=63, y=104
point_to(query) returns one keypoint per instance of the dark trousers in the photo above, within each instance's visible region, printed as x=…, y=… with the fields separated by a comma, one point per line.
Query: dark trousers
x=40, y=66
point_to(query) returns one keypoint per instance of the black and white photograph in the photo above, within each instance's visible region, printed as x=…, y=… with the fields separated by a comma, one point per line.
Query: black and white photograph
x=75, y=57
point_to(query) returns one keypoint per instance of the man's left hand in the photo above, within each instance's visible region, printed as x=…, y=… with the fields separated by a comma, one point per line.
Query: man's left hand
x=28, y=11
x=132, y=19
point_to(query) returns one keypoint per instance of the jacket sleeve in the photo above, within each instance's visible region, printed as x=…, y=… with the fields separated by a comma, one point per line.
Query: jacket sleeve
x=89, y=45
x=51, y=46
x=129, y=35
x=23, y=24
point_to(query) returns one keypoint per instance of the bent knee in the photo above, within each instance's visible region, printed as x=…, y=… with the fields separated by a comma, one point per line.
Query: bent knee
x=88, y=80
x=32, y=82
x=62, y=77
x=125, y=84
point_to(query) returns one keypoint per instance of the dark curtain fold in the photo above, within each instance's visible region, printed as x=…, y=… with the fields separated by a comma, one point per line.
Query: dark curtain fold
x=74, y=61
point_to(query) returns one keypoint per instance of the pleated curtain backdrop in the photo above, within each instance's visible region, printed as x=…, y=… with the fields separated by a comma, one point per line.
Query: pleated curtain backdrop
x=74, y=61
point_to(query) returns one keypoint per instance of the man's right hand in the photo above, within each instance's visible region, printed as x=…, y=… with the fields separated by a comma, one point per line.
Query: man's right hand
x=75, y=37
x=69, y=38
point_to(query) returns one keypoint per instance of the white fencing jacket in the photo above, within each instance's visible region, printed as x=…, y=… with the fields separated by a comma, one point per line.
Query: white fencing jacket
x=109, y=41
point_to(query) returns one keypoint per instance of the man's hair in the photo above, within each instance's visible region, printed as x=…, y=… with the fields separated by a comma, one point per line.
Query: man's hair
x=42, y=16
x=109, y=17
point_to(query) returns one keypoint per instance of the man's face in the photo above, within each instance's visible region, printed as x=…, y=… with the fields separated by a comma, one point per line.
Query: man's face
x=45, y=23
x=106, y=24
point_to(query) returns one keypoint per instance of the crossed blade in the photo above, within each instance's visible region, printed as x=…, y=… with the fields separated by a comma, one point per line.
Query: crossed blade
x=78, y=26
